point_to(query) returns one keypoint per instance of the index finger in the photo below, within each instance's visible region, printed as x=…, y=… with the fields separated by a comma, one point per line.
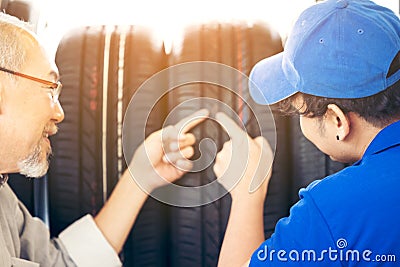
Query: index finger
x=189, y=122
x=231, y=127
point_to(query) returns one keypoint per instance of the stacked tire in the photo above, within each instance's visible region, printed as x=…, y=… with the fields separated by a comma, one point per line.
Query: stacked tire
x=198, y=232
x=101, y=68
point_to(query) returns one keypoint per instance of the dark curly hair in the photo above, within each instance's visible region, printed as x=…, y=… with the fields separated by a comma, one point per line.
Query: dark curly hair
x=379, y=110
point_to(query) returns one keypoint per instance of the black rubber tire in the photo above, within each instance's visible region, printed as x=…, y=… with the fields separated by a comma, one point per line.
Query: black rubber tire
x=23, y=188
x=24, y=10
x=76, y=185
x=4, y=4
x=197, y=233
x=147, y=244
x=20, y=9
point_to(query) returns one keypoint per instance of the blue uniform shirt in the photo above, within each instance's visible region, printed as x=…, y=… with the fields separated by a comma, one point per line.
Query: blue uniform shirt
x=351, y=218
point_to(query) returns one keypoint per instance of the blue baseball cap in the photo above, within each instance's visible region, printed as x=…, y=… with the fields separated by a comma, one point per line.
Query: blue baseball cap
x=337, y=49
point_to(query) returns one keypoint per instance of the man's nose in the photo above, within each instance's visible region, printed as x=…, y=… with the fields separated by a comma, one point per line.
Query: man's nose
x=58, y=115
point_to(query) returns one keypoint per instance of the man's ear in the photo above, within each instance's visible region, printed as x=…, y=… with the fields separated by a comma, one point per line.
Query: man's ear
x=339, y=121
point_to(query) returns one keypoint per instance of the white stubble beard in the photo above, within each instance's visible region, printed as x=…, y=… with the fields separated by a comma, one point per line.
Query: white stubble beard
x=36, y=164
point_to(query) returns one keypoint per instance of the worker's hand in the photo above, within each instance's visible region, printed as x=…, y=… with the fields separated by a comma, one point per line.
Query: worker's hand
x=163, y=157
x=244, y=165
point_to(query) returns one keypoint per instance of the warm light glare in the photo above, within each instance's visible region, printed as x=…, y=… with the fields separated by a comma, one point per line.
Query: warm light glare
x=168, y=18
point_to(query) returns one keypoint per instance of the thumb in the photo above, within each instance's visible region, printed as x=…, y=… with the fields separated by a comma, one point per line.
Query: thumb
x=264, y=166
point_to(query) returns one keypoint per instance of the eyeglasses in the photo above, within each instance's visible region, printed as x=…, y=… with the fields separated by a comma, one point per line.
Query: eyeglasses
x=54, y=88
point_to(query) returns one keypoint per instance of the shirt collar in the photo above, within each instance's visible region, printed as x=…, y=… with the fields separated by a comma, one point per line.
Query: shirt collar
x=3, y=179
x=386, y=138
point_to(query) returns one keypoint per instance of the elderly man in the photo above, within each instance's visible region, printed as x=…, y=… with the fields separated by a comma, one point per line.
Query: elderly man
x=340, y=72
x=29, y=113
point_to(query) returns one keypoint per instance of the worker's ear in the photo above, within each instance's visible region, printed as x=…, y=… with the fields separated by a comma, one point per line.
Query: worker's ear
x=338, y=122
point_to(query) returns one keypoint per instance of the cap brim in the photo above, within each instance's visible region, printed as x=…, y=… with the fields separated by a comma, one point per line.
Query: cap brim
x=268, y=84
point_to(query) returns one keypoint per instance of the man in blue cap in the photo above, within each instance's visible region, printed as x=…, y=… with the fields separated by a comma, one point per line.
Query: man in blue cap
x=340, y=72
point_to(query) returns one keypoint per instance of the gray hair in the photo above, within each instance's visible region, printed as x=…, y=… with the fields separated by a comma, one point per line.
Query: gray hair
x=12, y=44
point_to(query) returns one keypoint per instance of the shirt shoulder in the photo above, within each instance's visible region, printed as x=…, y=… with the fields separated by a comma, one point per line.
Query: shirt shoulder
x=304, y=233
